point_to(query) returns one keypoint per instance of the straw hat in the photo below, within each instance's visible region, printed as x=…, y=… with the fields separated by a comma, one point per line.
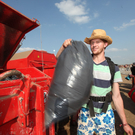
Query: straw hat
x=98, y=34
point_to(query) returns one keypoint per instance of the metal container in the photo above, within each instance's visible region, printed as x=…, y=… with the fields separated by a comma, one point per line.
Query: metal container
x=22, y=100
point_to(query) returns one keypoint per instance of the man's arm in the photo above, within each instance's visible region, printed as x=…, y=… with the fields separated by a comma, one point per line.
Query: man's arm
x=64, y=45
x=118, y=102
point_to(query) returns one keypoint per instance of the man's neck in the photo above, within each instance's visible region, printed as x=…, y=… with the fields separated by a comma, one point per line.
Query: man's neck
x=98, y=58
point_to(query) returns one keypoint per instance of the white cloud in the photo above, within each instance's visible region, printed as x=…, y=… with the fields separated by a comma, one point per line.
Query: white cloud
x=90, y=27
x=124, y=49
x=115, y=50
x=108, y=3
x=74, y=10
x=125, y=25
x=25, y=49
x=96, y=14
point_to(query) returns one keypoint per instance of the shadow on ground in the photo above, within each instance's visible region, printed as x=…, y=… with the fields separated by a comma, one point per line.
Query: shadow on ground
x=129, y=107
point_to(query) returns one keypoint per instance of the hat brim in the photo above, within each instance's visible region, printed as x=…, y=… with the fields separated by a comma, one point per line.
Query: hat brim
x=107, y=38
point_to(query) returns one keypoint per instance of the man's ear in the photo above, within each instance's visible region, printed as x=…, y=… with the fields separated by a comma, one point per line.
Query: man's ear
x=105, y=44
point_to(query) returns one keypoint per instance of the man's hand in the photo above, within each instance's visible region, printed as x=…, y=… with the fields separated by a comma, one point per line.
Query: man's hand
x=128, y=129
x=64, y=45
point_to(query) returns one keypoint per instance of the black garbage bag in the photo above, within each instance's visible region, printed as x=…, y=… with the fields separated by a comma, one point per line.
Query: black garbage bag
x=71, y=84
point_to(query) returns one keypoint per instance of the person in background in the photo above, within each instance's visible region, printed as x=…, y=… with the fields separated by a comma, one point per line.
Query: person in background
x=101, y=122
x=133, y=73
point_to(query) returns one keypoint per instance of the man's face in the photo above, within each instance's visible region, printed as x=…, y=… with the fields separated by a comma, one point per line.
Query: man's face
x=97, y=46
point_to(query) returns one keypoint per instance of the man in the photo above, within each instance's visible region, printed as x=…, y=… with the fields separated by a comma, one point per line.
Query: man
x=101, y=122
x=133, y=69
x=133, y=73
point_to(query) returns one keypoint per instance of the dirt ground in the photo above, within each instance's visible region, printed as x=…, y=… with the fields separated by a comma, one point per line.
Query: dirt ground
x=129, y=106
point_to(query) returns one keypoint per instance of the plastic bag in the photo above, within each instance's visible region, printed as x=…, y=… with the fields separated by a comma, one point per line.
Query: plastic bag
x=71, y=84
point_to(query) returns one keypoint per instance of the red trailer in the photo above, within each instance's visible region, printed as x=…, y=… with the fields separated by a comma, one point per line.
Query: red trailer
x=23, y=94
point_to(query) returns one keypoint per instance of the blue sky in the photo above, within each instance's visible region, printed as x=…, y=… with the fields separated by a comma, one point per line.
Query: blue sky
x=76, y=19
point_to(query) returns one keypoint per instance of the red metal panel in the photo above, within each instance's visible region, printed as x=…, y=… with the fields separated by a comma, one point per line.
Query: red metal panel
x=9, y=87
x=14, y=64
x=32, y=71
x=13, y=27
x=42, y=60
x=22, y=101
x=26, y=105
x=24, y=116
x=8, y=105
